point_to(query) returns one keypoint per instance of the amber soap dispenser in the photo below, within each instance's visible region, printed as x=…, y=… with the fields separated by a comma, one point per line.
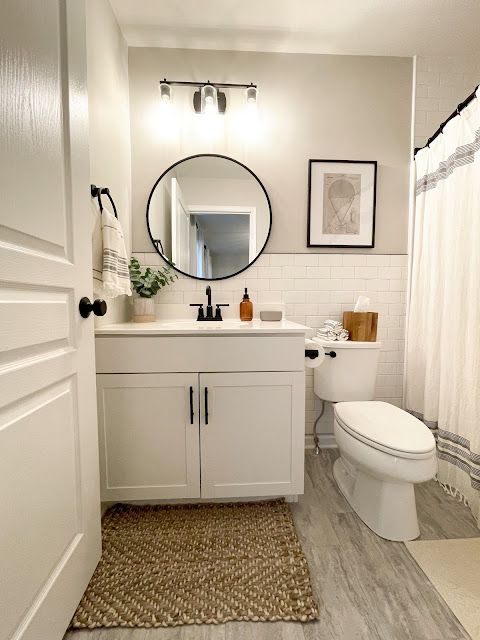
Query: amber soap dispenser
x=246, y=307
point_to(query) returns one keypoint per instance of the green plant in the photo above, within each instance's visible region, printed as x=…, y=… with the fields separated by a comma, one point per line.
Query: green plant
x=148, y=283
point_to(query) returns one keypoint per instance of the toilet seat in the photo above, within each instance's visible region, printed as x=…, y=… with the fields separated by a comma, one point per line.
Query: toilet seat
x=387, y=428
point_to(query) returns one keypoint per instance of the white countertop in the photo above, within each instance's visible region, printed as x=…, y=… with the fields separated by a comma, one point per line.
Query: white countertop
x=229, y=327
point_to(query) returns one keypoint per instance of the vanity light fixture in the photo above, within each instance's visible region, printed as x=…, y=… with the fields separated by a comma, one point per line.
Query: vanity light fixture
x=208, y=98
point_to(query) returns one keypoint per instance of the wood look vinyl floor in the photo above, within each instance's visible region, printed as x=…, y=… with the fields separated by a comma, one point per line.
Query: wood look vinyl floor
x=367, y=588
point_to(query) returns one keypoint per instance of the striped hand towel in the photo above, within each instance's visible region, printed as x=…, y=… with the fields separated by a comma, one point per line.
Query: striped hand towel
x=110, y=264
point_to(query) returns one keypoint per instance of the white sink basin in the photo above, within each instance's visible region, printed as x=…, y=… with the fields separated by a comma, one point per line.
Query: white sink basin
x=205, y=325
x=193, y=327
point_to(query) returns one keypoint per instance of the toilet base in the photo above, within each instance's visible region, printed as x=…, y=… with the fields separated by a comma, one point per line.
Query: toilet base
x=387, y=508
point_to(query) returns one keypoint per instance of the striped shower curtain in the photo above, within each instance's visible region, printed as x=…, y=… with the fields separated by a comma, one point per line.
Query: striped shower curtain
x=443, y=325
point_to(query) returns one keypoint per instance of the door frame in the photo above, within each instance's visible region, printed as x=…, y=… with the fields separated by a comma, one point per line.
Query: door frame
x=232, y=210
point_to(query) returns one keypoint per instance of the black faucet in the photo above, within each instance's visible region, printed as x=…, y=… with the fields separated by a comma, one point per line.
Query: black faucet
x=201, y=317
x=209, y=302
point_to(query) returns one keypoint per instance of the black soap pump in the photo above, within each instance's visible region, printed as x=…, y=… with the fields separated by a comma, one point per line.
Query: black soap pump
x=246, y=307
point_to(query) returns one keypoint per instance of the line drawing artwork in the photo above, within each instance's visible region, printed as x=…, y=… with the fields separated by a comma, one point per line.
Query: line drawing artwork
x=341, y=203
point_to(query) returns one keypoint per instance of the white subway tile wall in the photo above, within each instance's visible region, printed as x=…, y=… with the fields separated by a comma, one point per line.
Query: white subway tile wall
x=312, y=288
x=441, y=84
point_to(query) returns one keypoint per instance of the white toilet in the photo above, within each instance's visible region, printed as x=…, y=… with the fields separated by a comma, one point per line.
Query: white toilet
x=383, y=449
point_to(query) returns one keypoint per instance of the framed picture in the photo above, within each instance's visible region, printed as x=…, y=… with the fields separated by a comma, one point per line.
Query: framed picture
x=341, y=203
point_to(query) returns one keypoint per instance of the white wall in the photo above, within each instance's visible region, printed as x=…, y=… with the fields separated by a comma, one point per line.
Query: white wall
x=310, y=106
x=441, y=84
x=109, y=118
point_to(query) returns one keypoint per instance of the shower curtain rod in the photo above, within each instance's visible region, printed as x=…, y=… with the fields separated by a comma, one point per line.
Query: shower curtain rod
x=457, y=112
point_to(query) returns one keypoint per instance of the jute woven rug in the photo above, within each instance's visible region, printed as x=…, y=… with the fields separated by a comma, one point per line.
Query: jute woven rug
x=164, y=566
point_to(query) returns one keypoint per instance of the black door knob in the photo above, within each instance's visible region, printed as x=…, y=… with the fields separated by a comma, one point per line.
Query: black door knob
x=99, y=307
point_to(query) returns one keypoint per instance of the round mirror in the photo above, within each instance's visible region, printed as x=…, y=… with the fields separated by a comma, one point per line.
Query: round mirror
x=209, y=216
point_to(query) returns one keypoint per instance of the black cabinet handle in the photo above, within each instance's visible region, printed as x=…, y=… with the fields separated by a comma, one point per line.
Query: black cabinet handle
x=206, y=405
x=99, y=307
x=191, y=405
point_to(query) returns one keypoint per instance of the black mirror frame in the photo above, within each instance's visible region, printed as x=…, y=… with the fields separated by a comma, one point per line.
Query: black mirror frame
x=209, y=155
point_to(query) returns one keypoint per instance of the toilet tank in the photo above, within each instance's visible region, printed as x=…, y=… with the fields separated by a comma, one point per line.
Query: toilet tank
x=351, y=374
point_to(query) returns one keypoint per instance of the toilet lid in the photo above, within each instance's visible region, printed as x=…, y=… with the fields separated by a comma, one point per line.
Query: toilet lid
x=386, y=425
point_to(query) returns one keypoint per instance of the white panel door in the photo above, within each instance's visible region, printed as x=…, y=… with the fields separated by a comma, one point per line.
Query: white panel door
x=148, y=425
x=180, y=229
x=252, y=434
x=49, y=488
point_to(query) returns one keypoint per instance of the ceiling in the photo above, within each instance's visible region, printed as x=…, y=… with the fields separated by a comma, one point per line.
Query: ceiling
x=356, y=27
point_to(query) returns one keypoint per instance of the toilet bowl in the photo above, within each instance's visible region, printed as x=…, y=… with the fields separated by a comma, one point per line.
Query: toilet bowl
x=384, y=451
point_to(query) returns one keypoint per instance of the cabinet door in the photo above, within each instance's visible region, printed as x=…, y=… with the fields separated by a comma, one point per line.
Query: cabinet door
x=252, y=434
x=149, y=445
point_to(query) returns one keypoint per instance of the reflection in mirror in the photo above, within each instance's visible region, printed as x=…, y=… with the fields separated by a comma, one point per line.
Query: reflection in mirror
x=209, y=216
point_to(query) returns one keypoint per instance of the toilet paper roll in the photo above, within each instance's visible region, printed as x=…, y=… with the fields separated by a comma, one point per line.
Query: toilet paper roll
x=315, y=362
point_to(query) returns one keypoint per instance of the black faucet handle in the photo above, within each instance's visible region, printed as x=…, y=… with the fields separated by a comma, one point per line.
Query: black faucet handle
x=218, y=311
x=200, y=315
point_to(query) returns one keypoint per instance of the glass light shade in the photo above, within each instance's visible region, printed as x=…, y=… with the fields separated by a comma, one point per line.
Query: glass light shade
x=251, y=96
x=165, y=92
x=209, y=99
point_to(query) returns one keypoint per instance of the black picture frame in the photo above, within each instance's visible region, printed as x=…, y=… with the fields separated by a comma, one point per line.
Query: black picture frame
x=371, y=245
x=157, y=242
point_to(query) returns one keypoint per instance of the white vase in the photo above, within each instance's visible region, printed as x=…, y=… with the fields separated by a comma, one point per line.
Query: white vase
x=143, y=309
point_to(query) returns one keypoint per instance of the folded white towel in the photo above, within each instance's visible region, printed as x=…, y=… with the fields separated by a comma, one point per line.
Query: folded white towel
x=333, y=330
x=110, y=263
x=334, y=324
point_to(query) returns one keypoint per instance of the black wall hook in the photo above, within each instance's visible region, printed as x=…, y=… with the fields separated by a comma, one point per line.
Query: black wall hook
x=97, y=192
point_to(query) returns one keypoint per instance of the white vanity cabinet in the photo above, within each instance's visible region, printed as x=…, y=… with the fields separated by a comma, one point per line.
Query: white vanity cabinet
x=201, y=415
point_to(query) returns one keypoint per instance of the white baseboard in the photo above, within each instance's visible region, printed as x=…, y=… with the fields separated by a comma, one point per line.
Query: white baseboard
x=326, y=440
